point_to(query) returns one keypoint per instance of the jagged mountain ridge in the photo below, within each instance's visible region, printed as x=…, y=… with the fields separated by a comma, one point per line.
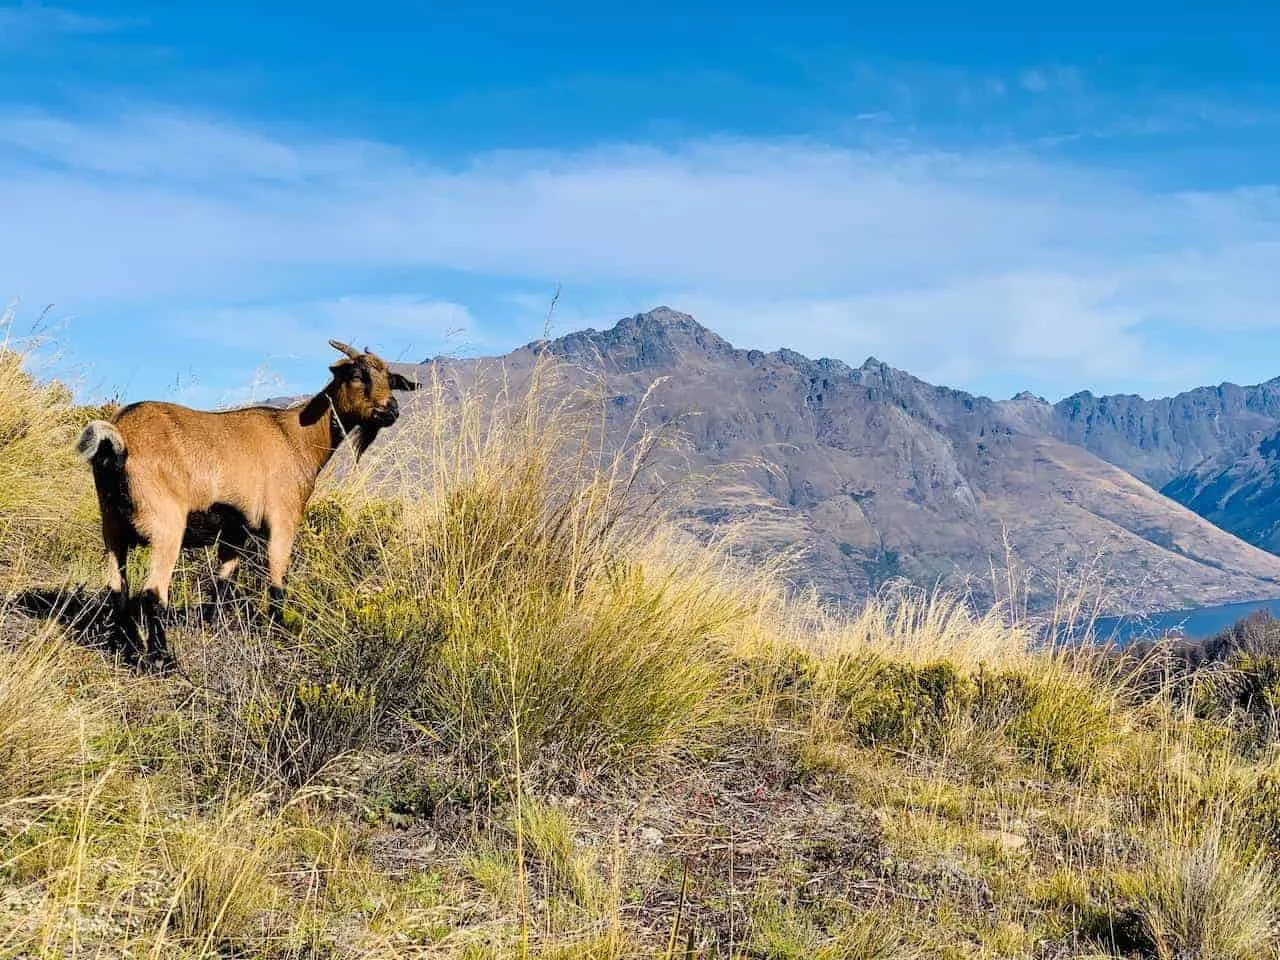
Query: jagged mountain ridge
x=1212, y=449
x=876, y=473
x=1161, y=441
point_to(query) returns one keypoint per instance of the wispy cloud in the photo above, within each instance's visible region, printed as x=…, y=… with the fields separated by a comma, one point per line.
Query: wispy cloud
x=949, y=262
x=1051, y=79
x=416, y=327
x=27, y=22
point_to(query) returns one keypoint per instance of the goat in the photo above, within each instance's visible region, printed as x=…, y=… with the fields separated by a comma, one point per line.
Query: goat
x=172, y=477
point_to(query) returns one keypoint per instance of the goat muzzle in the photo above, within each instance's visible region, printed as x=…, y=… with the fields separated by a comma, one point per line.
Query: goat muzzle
x=387, y=414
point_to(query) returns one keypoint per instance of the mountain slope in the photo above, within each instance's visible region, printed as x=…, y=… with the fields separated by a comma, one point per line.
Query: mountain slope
x=877, y=474
x=1211, y=449
x=1161, y=440
x=1238, y=493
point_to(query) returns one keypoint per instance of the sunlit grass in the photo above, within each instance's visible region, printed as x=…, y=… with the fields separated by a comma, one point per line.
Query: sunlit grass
x=514, y=712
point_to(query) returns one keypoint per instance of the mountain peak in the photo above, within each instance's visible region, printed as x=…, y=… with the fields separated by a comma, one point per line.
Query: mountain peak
x=672, y=325
x=658, y=338
x=664, y=316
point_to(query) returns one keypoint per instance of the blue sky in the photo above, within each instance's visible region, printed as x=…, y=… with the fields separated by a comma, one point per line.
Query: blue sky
x=994, y=196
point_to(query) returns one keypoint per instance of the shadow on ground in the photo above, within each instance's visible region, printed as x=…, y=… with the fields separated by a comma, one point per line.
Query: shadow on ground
x=86, y=615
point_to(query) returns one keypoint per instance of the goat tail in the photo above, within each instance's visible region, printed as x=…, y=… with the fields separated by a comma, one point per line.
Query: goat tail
x=101, y=441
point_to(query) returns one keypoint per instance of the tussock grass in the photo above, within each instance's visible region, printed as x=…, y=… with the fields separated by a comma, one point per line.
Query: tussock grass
x=987, y=705
x=919, y=627
x=785, y=933
x=569, y=870
x=44, y=733
x=47, y=507
x=513, y=713
x=1205, y=893
x=518, y=588
x=219, y=867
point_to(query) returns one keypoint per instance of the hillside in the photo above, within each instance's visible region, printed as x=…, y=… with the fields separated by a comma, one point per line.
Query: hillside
x=509, y=716
x=876, y=474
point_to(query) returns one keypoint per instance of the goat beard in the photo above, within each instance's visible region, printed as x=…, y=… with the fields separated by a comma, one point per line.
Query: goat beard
x=365, y=434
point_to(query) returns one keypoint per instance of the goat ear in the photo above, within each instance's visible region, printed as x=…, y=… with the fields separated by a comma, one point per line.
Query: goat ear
x=400, y=382
x=343, y=369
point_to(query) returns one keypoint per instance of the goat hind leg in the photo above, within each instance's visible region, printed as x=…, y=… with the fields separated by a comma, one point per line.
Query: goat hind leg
x=122, y=634
x=154, y=600
x=224, y=585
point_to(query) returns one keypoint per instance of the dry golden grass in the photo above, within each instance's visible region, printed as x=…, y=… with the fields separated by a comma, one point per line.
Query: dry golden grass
x=47, y=508
x=44, y=734
x=554, y=609
x=501, y=668
x=219, y=867
x=1203, y=891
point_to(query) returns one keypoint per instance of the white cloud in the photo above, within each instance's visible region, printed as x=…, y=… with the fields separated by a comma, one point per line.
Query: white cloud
x=1051, y=79
x=399, y=328
x=163, y=146
x=26, y=22
x=943, y=262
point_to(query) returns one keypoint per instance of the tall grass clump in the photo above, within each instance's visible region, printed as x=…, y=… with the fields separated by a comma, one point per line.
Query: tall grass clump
x=47, y=510
x=219, y=868
x=1206, y=893
x=922, y=671
x=509, y=589
x=43, y=731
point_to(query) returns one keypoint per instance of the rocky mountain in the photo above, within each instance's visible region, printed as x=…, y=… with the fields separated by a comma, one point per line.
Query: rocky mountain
x=876, y=474
x=1238, y=492
x=1213, y=449
x=1160, y=441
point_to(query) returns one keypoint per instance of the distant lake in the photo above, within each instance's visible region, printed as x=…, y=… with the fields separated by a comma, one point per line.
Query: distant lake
x=1195, y=624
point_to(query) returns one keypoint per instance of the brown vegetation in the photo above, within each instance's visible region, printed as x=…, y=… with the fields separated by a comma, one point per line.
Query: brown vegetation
x=512, y=715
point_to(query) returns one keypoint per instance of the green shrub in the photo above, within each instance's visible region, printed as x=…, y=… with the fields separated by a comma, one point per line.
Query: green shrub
x=1049, y=716
x=1244, y=693
x=1059, y=721
x=295, y=734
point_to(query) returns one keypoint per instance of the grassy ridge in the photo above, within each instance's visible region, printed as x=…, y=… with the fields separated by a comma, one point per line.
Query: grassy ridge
x=512, y=714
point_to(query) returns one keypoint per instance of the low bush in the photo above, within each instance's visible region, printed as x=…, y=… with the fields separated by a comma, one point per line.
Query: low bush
x=1047, y=716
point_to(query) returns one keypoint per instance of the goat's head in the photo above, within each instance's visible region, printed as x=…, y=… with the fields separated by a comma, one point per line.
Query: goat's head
x=363, y=392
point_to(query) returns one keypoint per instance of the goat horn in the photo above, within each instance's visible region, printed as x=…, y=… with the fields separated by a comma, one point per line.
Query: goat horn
x=343, y=348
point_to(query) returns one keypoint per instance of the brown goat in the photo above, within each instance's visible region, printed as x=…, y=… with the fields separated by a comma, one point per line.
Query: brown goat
x=172, y=477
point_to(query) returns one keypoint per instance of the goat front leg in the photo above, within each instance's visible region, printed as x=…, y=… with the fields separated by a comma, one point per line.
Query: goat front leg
x=279, y=551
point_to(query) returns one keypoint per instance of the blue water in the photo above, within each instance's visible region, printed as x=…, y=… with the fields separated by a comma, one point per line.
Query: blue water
x=1195, y=624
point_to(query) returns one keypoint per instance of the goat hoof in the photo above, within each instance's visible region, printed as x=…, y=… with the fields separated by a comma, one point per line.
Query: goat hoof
x=212, y=613
x=161, y=662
